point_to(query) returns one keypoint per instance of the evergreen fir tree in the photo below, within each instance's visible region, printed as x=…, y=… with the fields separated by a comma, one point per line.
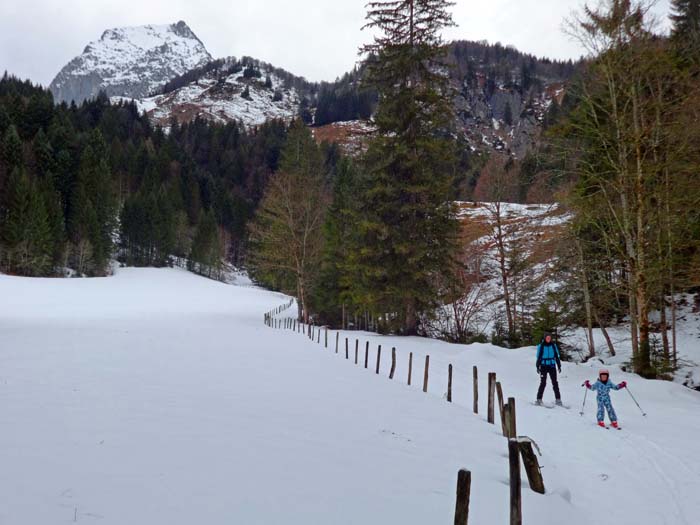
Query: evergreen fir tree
x=406, y=226
x=12, y=149
x=205, y=258
x=508, y=115
x=26, y=229
x=686, y=19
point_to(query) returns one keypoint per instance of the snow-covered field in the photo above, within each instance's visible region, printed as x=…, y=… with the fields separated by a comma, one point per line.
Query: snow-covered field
x=158, y=397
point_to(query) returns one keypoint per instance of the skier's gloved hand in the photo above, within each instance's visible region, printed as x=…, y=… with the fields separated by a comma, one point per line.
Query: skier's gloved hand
x=623, y=384
x=539, y=371
x=559, y=367
x=588, y=384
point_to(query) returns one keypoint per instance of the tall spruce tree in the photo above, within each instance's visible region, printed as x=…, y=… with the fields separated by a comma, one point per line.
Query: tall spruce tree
x=685, y=18
x=406, y=226
x=26, y=230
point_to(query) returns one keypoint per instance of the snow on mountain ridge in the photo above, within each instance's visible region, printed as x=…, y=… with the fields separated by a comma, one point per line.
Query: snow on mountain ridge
x=130, y=62
x=225, y=98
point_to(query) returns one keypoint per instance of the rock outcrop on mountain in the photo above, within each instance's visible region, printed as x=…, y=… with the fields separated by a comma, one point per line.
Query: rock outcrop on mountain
x=226, y=90
x=130, y=62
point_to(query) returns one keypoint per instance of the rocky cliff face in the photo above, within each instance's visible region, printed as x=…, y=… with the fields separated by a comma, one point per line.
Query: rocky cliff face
x=131, y=62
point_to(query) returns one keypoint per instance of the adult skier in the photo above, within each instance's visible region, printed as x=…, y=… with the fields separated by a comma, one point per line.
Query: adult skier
x=603, y=387
x=548, y=363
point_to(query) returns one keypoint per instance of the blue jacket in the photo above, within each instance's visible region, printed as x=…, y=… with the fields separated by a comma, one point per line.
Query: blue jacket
x=604, y=389
x=548, y=354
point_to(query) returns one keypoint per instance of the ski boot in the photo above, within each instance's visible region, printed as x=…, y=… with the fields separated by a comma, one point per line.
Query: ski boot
x=615, y=425
x=559, y=403
x=601, y=424
x=538, y=402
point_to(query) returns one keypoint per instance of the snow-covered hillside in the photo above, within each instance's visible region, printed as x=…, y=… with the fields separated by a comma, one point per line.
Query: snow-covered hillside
x=159, y=397
x=130, y=62
x=228, y=98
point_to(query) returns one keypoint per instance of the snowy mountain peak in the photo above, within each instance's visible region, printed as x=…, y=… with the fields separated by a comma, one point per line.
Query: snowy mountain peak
x=130, y=62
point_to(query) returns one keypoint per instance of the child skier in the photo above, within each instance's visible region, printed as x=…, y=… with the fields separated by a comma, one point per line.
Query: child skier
x=603, y=386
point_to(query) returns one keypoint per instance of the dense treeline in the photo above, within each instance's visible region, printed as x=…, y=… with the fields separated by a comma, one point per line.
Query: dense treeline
x=504, y=65
x=81, y=184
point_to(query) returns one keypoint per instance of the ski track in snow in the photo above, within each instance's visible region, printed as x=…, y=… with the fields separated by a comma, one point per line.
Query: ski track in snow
x=158, y=397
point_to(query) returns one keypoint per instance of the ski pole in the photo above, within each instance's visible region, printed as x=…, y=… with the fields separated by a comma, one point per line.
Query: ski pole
x=585, y=394
x=635, y=402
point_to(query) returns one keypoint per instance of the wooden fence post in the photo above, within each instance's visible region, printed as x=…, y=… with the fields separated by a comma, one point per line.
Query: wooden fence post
x=532, y=465
x=476, y=390
x=516, y=507
x=425, y=374
x=492, y=392
x=379, y=357
x=357, y=349
x=410, y=367
x=337, y=335
x=449, y=383
x=501, y=409
x=326, y=337
x=346, y=348
x=393, y=363
x=512, y=428
x=367, y=354
x=318, y=339
x=464, y=485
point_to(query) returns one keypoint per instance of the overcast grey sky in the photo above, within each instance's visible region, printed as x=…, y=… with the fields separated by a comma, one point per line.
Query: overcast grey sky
x=317, y=39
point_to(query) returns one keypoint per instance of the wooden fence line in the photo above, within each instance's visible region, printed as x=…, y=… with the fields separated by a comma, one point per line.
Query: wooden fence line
x=517, y=447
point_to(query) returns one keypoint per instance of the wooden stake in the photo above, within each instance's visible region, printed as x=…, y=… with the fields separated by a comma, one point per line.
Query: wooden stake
x=357, y=349
x=476, y=390
x=367, y=354
x=337, y=335
x=425, y=374
x=532, y=466
x=511, y=418
x=464, y=485
x=393, y=363
x=492, y=392
x=346, y=348
x=516, y=507
x=449, y=383
x=379, y=357
x=326, y=337
x=501, y=410
x=410, y=367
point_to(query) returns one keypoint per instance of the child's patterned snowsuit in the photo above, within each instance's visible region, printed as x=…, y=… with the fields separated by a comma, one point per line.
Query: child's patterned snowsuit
x=604, y=402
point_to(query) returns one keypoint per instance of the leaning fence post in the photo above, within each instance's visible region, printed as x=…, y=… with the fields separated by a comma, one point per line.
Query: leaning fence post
x=516, y=508
x=410, y=367
x=476, y=390
x=501, y=409
x=379, y=357
x=393, y=363
x=464, y=485
x=532, y=465
x=492, y=391
x=449, y=383
x=425, y=374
